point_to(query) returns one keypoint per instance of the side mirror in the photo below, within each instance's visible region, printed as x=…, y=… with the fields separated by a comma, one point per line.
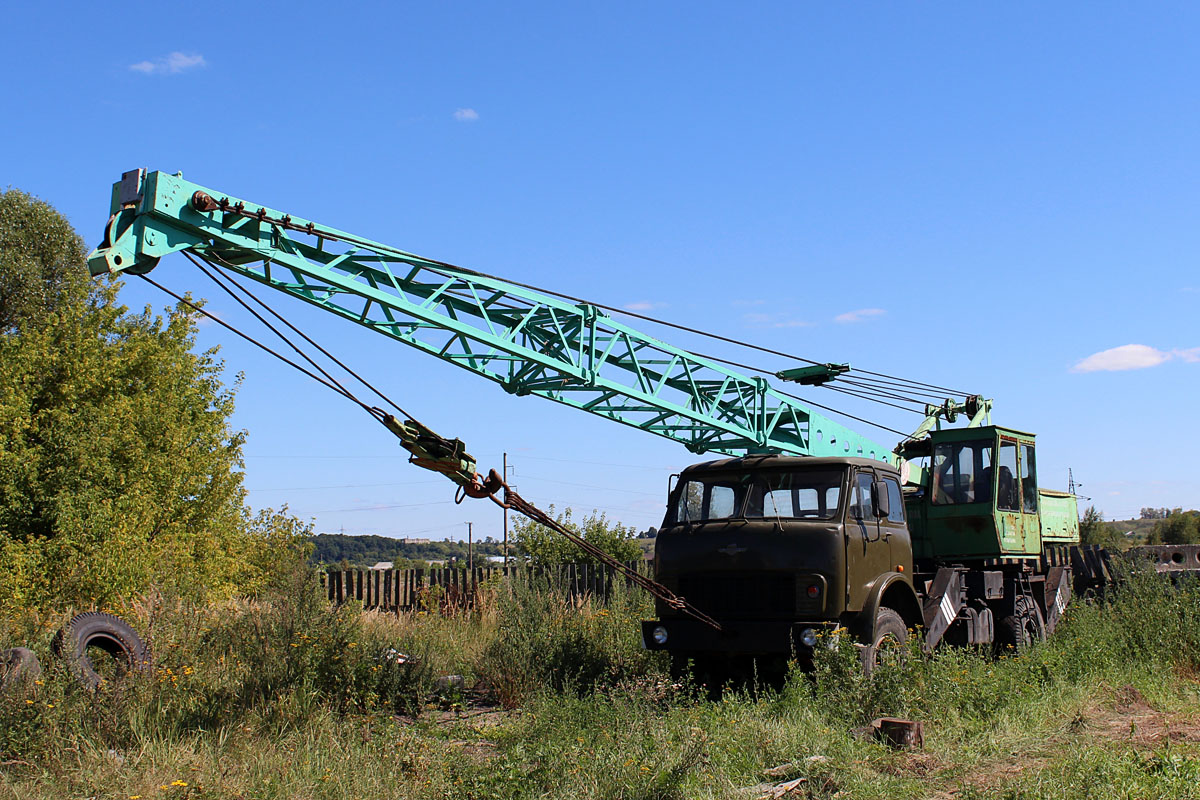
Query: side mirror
x=881, y=499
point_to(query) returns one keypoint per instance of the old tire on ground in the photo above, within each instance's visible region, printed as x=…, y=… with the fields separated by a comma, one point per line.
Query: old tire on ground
x=18, y=666
x=1022, y=629
x=111, y=635
x=887, y=641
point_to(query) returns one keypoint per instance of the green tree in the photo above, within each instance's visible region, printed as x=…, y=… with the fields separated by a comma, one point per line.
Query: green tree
x=118, y=468
x=543, y=547
x=40, y=263
x=1179, y=527
x=1094, y=530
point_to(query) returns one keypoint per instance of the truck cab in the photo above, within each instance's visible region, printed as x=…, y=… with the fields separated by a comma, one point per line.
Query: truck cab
x=777, y=548
x=980, y=499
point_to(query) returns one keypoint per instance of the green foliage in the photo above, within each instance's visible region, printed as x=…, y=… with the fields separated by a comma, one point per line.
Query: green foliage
x=544, y=639
x=42, y=263
x=284, y=697
x=364, y=551
x=1094, y=530
x=118, y=468
x=1178, y=527
x=543, y=547
x=267, y=663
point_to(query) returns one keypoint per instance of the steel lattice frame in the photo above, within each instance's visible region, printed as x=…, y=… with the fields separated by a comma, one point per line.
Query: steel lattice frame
x=528, y=342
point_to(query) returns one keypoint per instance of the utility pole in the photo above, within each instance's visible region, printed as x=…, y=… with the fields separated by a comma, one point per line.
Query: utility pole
x=505, y=511
x=470, y=550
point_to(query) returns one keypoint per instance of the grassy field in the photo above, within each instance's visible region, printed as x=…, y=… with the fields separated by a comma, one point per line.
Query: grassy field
x=284, y=697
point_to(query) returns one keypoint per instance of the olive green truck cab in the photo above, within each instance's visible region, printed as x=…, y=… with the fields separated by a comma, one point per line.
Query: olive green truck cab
x=964, y=546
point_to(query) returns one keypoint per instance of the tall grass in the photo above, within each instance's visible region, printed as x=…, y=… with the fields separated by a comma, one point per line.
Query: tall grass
x=286, y=697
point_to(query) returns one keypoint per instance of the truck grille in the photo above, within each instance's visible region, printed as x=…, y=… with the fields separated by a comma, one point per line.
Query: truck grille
x=724, y=595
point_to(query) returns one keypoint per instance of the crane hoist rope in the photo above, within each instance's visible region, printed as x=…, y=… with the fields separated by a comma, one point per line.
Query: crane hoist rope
x=429, y=450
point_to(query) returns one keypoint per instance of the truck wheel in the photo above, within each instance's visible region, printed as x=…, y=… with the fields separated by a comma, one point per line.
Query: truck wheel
x=887, y=642
x=1022, y=629
x=96, y=633
x=18, y=666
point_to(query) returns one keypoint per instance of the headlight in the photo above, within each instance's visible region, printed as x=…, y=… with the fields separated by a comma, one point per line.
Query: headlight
x=808, y=637
x=659, y=634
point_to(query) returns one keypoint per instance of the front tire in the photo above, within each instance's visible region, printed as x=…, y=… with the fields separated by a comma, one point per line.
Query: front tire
x=887, y=641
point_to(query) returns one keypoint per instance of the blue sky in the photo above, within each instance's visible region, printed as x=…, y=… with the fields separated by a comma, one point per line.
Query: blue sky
x=998, y=197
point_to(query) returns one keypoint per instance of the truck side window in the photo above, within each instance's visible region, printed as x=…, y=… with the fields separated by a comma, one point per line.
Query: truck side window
x=861, y=501
x=1008, y=491
x=1029, y=479
x=895, y=501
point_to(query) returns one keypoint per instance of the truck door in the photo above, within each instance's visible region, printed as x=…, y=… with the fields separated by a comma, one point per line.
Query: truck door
x=867, y=552
x=895, y=528
x=1016, y=515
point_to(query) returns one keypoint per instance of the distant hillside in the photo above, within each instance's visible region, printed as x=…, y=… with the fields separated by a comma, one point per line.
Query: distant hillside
x=1141, y=527
x=364, y=551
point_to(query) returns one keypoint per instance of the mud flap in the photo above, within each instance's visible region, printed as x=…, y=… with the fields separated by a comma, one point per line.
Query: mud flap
x=1057, y=593
x=945, y=601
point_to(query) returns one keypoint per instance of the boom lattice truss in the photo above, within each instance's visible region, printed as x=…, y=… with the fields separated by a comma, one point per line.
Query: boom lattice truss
x=527, y=341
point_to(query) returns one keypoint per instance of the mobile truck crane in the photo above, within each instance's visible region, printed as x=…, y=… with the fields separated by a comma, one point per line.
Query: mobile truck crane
x=806, y=526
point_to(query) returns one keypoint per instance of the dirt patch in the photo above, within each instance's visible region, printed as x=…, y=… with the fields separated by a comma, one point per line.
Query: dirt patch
x=1125, y=716
x=1131, y=718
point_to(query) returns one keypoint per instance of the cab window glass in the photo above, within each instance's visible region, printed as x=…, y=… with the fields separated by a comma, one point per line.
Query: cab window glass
x=699, y=500
x=860, y=503
x=720, y=502
x=962, y=473
x=1008, y=490
x=1029, y=479
x=800, y=494
x=777, y=503
x=895, y=500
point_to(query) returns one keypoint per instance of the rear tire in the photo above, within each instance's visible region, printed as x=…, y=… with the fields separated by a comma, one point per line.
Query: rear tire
x=887, y=642
x=104, y=632
x=1022, y=629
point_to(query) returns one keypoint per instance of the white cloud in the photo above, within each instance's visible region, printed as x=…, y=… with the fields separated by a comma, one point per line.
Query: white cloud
x=172, y=64
x=466, y=115
x=1192, y=355
x=1125, y=357
x=643, y=305
x=859, y=315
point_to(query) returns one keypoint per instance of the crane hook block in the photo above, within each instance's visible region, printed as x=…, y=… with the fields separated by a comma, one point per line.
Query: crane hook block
x=448, y=456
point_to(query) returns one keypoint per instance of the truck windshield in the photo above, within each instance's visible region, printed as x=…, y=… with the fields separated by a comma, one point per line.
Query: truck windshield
x=801, y=494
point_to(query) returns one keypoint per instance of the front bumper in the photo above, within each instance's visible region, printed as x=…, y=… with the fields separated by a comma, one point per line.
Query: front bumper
x=751, y=637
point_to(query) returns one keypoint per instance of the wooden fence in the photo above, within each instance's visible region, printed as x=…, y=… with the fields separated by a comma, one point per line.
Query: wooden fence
x=454, y=587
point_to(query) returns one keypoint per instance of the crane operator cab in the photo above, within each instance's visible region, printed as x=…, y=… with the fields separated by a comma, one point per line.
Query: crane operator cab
x=980, y=498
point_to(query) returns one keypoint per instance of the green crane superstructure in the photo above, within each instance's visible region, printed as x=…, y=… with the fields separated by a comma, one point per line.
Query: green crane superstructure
x=528, y=341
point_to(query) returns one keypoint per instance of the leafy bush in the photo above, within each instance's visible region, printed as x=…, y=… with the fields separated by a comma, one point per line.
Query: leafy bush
x=546, y=639
x=543, y=547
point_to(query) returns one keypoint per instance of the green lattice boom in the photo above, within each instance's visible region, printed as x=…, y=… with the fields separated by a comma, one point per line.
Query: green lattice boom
x=528, y=342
